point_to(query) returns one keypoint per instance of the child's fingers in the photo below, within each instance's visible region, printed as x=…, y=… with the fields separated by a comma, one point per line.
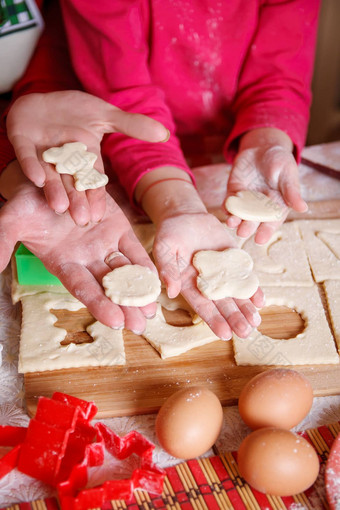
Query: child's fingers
x=27, y=157
x=54, y=190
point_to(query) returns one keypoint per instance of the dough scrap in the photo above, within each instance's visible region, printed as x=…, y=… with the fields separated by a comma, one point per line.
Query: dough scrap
x=172, y=341
x=322, y=242
x=225, y=273
x=283, y=260
x=40, y=347
x=314, y=345
x=332, y=291
x=74, y=159
x=177, y=303
x=132, y=285
x=254, y=206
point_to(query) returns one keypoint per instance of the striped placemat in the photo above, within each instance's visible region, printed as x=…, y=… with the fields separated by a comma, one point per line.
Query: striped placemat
x=215, y=483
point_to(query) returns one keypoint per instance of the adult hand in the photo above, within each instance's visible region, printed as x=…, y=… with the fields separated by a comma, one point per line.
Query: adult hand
x=265, y=163
x=177, y=239
x=78, y=256
x=37, y=122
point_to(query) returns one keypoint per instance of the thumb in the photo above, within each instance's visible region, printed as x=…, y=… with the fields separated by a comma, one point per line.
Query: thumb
x=136, y=125
x=290, y=189
x=169, y=271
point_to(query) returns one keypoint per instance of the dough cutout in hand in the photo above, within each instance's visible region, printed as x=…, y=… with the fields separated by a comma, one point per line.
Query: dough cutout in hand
x=227, y=273
x=132, y=285
x=74, y=159
x=254, y=206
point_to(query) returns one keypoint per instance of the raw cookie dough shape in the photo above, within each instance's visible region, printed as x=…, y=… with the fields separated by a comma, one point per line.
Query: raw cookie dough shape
x=332, y=291
x=132, y=285
x=283, y=260
x=254, y=206
x=172, y=341
x=74, y=159
x=314, y=345
x=322, y=242
x=227, y=273
x=40, y=347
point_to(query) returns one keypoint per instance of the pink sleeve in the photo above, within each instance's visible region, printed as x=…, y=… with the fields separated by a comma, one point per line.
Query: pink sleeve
x=43, y=74
x=274, y=86
x=109, y=47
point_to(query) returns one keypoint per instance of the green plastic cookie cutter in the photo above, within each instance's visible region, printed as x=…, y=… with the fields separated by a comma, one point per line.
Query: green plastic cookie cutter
x=30, y=269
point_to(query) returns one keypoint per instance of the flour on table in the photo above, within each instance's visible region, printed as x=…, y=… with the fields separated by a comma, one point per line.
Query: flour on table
x=332, y=291
x=322, y=242
x=171, y=340
x=314, y=345
x=74, y=159
x=282, y=260
x=327, y=155
x=227, y=273
x=40, y=347
x=254, y=206
x=132, y=285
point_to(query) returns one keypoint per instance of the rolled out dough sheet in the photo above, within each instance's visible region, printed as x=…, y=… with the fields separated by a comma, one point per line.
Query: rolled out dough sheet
x=315, y=345
x=322, y=242
x=283, y=260
x=40, y=347
x=332, y=291
x=172, y=341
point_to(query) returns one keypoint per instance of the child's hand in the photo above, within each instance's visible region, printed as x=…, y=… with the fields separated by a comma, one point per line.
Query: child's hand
x=37, y=122
x=265, y=163
x=178, y=238
x=78, y=256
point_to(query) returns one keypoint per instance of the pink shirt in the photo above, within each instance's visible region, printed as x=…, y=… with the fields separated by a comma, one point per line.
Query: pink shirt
x=198, y=66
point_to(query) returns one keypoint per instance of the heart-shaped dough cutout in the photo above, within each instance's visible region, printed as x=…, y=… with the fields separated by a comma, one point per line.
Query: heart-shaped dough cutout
x=227, y=273
x=254, y=206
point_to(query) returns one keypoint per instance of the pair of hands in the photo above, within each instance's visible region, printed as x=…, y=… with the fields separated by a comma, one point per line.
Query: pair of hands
x=77, y=254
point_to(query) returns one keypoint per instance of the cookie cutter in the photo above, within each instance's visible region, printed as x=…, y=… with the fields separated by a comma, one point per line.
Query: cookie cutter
x=60, y=444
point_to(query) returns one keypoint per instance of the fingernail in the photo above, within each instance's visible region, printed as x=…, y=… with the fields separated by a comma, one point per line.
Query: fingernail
x=151, y=316
x=118, y=327
x=59, y=213
x=167, y=137
x=257, y=319
x=226, y=339
x=137, y=332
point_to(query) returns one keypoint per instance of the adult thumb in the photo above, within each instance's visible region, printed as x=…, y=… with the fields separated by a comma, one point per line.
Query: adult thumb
x=137, y=126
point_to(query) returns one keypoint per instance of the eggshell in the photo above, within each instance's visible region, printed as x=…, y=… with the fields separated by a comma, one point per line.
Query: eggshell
x=189, y=422
x=277, y=462
x=275, y=398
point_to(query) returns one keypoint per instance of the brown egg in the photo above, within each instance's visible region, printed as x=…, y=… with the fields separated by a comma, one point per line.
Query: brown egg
x=275, y=398
x=277, y=462
x=189, y=422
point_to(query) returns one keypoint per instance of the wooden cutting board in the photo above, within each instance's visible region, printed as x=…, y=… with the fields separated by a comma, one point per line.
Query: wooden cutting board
x=142, y=385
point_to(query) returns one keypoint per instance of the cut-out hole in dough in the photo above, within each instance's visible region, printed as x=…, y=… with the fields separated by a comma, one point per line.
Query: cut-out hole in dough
x=281, y=322
x=75, y=323
x=177, y=317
